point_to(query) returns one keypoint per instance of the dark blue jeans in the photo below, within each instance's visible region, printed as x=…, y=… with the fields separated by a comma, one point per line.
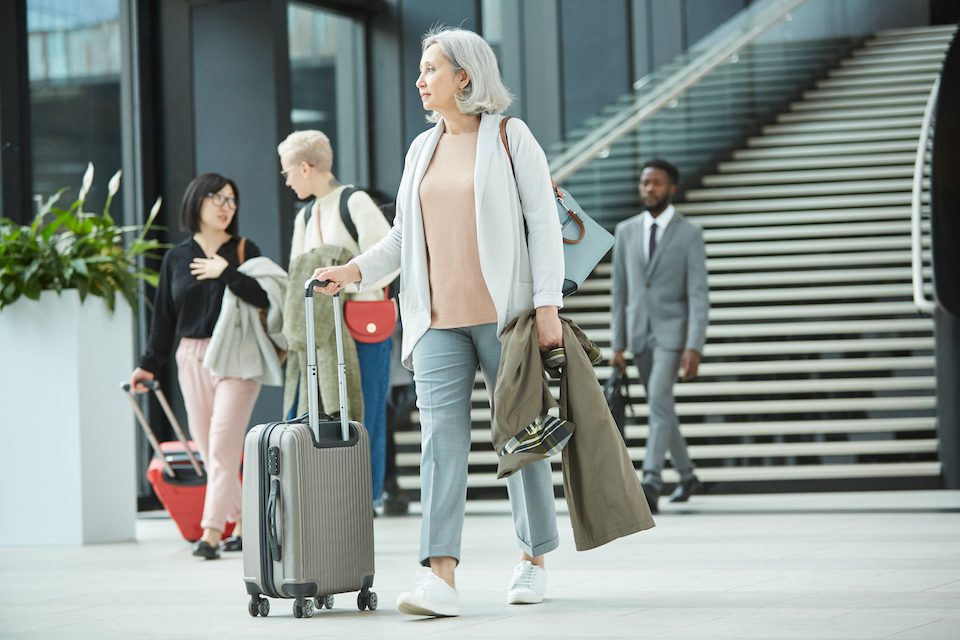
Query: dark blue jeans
x=375, y=383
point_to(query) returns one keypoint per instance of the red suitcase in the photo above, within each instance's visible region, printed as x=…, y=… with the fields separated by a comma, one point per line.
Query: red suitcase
x=176, y=472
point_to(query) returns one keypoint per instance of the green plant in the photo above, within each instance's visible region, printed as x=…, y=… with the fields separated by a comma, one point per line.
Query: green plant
x=75, y=249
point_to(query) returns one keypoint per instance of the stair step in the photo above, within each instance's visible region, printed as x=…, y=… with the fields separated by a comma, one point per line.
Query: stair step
x=865, y=125
x=875, y=81
x=811, y=294
x=810, y=216
x=860, y=103
x=777, y=247
x=786, y=428
x=896, y=327
x=835, y=137
x=905, y=88
x=777, y=407
x=893, y=49
x=931, y=38
x=744, y=451
x=885, y=70
x=818, y=347
x=821, y=150
x=808, y=231
x=771, y=473
x=803, y=189
x=812, y=176
x=857, y=160
x=833, y=115
x=931, y=30
x=601, y=283
x=800, y=189
x=888, y=61
x=741, y=429
x=791, y=204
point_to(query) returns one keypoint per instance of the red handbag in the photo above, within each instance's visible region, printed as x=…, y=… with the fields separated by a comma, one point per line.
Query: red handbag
x=371, y=320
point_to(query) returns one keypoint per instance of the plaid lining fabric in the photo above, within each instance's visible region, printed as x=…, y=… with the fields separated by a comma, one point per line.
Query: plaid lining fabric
x=546, y=436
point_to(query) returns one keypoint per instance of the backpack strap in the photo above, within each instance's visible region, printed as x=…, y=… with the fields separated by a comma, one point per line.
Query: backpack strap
x=345, y=213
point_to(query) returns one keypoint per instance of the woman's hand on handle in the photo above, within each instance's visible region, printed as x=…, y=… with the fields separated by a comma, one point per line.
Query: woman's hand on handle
x=549, y=329
x=136, y=377
x=337, y=277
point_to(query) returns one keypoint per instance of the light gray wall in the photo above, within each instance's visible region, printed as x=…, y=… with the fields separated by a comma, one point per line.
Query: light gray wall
x=543, y=83
x=596, y=59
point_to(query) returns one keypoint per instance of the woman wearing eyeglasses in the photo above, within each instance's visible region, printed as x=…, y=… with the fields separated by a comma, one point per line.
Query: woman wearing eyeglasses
x=193, y=277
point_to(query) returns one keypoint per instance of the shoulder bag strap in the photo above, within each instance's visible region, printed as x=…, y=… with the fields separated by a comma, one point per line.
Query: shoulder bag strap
x=241, y=250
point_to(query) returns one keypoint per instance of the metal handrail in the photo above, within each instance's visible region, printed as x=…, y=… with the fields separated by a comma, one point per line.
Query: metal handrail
x=594, y=144
x=923, y=303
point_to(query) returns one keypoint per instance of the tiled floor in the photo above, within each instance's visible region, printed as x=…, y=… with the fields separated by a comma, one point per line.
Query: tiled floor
x=831, y=566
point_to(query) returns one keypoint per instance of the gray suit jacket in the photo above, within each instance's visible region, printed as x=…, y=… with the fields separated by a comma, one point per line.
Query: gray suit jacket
x=664, y=303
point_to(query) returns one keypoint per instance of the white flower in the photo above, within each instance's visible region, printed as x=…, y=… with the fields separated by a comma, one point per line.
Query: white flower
x=154, y=210
x=114, y=184
x=87, y=181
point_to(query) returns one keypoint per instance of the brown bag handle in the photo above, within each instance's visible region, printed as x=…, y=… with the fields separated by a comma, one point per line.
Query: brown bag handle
x=242, y=250
x=556, y=189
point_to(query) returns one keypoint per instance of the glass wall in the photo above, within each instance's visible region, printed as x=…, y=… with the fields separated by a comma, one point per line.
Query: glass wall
x=328, y=84
x=74, y=57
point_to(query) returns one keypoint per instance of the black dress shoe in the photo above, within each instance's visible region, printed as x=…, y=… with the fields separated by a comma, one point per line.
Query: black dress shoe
x=652, y=495
x=205, y=550
x=685, y=489
x=233, y=543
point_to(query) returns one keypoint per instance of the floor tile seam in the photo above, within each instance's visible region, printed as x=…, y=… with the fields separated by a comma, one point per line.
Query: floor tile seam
x=903, y=631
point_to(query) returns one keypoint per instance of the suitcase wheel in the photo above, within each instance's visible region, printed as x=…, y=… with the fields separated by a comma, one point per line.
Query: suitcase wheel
x=258, y=607
x=324, y=601
x=367, y=600
x=303, y=608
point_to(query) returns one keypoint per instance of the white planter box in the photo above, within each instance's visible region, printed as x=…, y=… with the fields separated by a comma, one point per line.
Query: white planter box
x=68, y=474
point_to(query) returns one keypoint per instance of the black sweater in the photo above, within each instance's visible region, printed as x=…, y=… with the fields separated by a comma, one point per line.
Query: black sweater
x=185, y=307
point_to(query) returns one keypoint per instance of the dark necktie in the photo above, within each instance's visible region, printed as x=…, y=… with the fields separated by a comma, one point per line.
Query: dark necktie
x=653, y=242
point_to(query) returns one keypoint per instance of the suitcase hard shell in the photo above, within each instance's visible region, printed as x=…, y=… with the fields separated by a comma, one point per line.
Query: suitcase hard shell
x=308, y=503
x=176, y=471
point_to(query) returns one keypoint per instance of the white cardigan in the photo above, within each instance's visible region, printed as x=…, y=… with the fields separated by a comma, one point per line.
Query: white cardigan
x=521, y=271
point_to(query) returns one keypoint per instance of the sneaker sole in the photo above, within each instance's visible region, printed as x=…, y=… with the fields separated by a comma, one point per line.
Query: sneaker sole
x=416, y=610
x=524, y=599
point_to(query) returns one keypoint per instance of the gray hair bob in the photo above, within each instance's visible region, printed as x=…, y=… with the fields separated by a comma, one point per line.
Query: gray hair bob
x=468, y=52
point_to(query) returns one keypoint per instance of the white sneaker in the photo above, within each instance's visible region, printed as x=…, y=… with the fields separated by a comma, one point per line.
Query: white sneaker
x=529, y=584
x=432, y=596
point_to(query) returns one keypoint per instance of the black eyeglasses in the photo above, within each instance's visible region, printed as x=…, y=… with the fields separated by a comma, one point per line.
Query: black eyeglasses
x=220, y=200
x=284, y=172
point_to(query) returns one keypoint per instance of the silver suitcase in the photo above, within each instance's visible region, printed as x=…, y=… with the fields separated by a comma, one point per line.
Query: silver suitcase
x=307, y=501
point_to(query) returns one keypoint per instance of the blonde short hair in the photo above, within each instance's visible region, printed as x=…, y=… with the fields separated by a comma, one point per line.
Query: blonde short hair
x=468, y=52
x=310, y=146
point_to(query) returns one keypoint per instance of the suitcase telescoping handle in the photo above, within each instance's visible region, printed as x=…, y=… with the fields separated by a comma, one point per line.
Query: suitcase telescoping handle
x=313, y=401
x=154, y=386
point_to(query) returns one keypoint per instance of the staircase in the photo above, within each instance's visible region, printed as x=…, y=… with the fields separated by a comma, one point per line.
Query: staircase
x=817, y=365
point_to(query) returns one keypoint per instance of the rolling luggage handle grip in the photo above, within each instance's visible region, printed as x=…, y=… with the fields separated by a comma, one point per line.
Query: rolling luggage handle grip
x=272, y=533
x=154, y=386
x=312, y=380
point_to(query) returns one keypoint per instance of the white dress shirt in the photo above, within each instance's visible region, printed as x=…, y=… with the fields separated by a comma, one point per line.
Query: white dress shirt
x=662, y=221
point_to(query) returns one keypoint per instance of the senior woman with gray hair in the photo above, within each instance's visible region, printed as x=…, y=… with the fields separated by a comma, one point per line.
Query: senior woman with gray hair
x=476, y=246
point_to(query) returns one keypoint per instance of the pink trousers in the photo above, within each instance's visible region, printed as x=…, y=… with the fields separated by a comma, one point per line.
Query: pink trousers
x=218, y=414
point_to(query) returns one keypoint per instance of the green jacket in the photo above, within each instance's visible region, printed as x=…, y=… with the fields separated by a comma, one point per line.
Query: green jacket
x=294, y=330
x=601, y=486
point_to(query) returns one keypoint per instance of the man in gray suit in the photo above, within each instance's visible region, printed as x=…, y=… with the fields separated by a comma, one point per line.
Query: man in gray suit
x=660, y=304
